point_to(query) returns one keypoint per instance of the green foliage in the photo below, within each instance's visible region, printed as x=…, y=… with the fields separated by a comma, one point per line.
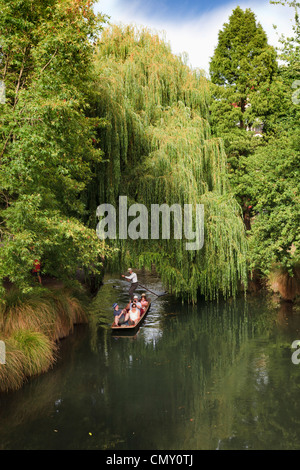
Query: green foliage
x=289, y=53
x=46, y=141
x=244, y=65
x=272, y=185
x=159, y=149
x=272, y=173
x=264, y=172
x=245, y=94
x=62, y=243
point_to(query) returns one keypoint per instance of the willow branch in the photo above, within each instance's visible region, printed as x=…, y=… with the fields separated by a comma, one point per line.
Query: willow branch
x=49, y=62
x=20, y=78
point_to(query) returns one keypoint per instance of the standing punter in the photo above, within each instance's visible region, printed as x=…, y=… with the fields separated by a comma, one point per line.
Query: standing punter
x=134, y=282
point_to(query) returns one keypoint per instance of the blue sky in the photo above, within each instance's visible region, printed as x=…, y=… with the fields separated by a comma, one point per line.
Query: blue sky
x=192, y=26
x=175, y=9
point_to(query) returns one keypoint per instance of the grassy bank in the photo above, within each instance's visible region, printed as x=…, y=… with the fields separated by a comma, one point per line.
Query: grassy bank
x=31, y=326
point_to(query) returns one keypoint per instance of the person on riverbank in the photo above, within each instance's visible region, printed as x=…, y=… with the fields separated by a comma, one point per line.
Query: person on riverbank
x=37, y=270
x=134, y=282
x=121, y=316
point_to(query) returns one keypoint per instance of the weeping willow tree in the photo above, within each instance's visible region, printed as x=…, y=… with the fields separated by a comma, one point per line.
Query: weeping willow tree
x=159, y=150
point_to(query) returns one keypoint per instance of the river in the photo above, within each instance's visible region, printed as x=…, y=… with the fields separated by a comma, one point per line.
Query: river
x=212, y=376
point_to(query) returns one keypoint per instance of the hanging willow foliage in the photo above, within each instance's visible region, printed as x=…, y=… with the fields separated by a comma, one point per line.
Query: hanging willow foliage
x=159, y=149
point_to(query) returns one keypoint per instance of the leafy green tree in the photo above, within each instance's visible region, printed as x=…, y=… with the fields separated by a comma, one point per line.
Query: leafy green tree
x=270, y=177
x=272, y=183
x=242, y=72
x=249, y=94
x=46, y=141
x=244, y=65
x=273, y=177
x=289, y=53
x=159, y=149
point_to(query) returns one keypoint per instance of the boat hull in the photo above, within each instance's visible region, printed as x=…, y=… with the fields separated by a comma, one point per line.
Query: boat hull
x=127, y=329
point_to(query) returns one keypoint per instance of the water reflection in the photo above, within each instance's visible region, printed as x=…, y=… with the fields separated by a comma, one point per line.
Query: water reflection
x=215, y=376
x=152, y=335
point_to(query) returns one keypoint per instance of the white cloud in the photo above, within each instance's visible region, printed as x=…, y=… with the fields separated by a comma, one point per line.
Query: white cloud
x=198, y=36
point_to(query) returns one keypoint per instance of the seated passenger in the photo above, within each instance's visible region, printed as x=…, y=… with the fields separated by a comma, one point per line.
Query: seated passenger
x=137, y=302
x=121, y=316
x=144, y=301
x=134, y=315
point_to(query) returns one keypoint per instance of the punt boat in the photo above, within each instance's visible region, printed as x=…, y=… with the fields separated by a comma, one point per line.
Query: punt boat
x=131, y=329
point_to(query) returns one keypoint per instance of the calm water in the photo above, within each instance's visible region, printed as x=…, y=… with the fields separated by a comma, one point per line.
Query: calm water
x=206, y=377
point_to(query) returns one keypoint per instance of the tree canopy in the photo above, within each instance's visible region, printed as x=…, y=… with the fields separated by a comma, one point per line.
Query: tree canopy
x=46, y=147
x=159, y=149
x=264, y=171
x=244, y=64
x=90, y=113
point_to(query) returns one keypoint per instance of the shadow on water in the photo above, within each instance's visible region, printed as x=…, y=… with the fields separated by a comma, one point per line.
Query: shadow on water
x=213, y=376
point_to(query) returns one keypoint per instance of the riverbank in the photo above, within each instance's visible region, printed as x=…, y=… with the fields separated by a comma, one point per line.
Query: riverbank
x=31, y=326
x=284, y=285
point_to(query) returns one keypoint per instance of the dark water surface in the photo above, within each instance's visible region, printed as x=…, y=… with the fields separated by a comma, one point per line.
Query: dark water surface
x=214, y=376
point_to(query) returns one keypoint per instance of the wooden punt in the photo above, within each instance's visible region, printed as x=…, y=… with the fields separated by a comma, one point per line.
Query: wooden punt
x=131, y=328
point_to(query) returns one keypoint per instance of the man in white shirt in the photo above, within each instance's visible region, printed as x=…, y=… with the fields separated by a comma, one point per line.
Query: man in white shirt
x=134, y=282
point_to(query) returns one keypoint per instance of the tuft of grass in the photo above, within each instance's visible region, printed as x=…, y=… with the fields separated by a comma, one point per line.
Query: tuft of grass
x=53, y=313
x=31, y=325
x=38, y=350
x=12, y=374
x=28, y=353
x=68, y=312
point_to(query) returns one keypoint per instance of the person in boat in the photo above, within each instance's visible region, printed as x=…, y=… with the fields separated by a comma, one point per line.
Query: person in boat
x=121, y=316
x=134, y=315
x=134, y=282
x=137, y=302
x=144, y=302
